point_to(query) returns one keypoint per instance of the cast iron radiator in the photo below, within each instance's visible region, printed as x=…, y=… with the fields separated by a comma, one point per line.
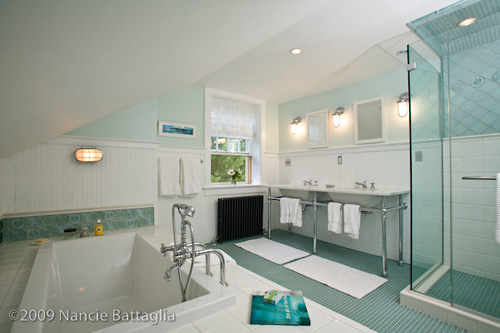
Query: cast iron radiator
x=239, y=217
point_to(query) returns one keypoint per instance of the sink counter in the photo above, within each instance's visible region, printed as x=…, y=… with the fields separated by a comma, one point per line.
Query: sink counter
x=343, y=190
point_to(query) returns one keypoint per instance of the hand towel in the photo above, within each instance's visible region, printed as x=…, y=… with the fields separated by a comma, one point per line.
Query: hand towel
x=291, y=211
x=352, y=220
x=497, y=231
x=191, y=174
x=168, y=176
x=334, y=217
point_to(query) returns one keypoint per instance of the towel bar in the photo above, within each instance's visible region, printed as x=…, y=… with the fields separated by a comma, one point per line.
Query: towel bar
x=478, y=178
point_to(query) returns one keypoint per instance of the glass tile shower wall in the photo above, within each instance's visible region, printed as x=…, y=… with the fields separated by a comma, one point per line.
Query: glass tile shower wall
x=469, y=277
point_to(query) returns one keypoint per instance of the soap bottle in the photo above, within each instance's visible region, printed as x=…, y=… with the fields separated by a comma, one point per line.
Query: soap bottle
x=99, y=228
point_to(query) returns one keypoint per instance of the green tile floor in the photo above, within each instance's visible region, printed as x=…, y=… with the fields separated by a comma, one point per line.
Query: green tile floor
x=379, y=310
x=470, y=291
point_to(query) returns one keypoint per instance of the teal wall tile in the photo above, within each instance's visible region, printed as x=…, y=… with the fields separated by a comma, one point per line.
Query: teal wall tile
x=32, y=227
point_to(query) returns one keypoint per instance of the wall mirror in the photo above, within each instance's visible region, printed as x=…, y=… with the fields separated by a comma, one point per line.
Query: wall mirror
x=369, y=121
x=317, y=129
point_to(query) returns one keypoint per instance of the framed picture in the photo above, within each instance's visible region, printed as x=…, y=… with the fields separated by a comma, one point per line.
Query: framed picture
x=176, y=130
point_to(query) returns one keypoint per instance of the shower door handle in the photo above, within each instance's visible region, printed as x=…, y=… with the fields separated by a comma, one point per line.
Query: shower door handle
x=479, y=178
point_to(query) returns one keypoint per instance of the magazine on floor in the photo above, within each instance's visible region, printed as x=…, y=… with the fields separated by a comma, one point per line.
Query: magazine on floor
x=290, y=309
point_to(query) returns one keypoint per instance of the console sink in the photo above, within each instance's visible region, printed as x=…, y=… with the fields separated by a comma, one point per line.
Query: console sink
x=363, y=197
x=300, y=192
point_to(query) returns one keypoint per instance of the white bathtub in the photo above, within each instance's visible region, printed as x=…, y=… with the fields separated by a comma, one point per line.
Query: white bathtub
x=94, y=283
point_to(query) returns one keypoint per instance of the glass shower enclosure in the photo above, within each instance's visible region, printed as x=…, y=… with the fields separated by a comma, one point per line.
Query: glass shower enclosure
x=455, y=156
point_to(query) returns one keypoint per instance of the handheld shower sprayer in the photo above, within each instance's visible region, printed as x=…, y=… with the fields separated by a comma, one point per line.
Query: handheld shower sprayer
x=185, y=210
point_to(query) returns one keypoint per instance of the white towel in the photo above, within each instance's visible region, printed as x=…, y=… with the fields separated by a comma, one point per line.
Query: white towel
x=334, y=217
x=352, y=220
x=168, y=176
x=291, y=211
x=497, y=231
x=190, y=176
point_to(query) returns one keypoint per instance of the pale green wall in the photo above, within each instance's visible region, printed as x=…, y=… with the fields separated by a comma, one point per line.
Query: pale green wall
x=184, y=106
x=389, y=85
x=272, y=128
x=140, y=122
x=134, y=123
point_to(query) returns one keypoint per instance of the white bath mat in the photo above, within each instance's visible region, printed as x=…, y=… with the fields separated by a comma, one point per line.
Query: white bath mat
x=271, y=250
x=343, y=278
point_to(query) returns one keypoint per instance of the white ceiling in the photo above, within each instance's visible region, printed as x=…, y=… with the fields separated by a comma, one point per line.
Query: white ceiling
x=64, y=64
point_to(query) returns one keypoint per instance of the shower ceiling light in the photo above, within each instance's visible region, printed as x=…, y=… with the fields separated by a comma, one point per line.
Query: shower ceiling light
x=467, y=21
x=296, y=51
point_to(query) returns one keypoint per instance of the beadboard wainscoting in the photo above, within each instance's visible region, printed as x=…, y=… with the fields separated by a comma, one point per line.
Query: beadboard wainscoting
x=47, y=177
x=205, y=203
x=387, y=165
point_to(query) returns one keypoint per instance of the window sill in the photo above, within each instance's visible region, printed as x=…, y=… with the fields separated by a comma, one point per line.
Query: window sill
x=233, y=189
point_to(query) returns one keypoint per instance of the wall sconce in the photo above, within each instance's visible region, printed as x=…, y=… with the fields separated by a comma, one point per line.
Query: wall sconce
x=88, y=155
x=336, y=116
x=403, y=105
x=295, y=123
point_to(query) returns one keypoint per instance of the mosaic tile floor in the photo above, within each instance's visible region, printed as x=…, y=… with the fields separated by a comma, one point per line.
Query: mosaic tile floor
x=470, y=291
x=379, y=310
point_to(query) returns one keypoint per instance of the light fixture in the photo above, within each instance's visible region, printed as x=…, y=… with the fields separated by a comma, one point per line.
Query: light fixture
x=295, y=123
x=88, y=155
x=336, y=116
x=222, y=141
x=467, y=21
x=296, y=51
x=403, y=104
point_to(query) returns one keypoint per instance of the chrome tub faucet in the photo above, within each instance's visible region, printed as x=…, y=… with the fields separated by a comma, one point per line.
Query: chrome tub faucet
x=183, y=251
x=360, y=185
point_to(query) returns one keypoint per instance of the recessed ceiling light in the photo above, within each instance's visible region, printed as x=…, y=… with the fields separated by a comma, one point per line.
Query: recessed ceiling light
x=466, y=22
x=296, y=51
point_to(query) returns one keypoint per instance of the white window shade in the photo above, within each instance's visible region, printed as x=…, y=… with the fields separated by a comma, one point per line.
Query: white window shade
x=234, y=119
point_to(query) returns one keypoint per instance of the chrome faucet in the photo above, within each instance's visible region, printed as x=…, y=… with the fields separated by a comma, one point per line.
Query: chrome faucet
x=183, y=250
x=360, y=185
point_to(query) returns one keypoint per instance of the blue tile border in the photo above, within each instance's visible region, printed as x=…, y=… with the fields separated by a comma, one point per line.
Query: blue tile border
x=32, y=227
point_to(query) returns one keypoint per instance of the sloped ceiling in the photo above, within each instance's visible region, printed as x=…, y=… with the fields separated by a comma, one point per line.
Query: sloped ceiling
x=64, y=64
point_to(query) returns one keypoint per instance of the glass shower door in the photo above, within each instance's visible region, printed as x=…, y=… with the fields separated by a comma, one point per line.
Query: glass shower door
x=426, y=117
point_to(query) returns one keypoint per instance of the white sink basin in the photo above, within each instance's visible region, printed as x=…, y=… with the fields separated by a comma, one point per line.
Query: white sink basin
x=362, y=197
x=302, y=193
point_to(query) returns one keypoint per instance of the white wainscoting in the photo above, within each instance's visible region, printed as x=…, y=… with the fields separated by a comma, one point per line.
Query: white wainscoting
x=47, y=177
x=205, y=203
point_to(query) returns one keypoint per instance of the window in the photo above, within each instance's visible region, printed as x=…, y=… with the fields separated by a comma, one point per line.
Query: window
x=230, y=153
x=233, y=134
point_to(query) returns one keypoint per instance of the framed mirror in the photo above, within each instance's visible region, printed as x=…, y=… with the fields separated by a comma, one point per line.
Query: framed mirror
x=317, y=129
x=369, y=121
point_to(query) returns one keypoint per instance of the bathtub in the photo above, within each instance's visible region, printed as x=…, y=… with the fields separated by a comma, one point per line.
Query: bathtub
x=113, y=284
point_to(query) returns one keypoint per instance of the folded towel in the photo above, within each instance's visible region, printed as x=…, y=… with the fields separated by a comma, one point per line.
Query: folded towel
x=191, y=174
x=168, y=176
x=334, y=217
x=291, y=211
x=352, y=220
x=497, y=231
